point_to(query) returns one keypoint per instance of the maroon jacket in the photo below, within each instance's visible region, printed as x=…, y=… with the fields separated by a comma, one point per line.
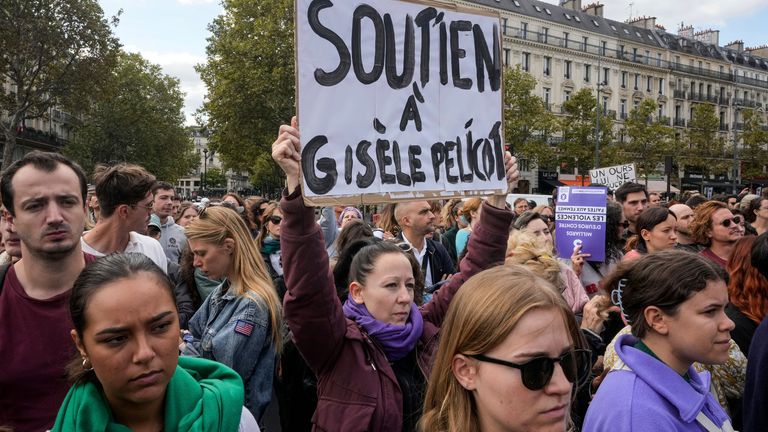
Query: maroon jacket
x=357, y=389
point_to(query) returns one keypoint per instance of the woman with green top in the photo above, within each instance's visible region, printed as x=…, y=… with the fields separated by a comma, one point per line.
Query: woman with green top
x=129, y=376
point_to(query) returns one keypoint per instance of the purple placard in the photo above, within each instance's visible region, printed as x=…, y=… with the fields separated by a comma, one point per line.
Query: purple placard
x=580, y=219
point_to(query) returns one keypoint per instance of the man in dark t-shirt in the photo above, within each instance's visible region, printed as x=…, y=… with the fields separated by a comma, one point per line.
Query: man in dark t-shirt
x=44, y=195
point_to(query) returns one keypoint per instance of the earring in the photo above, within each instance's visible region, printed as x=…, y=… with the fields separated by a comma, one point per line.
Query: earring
x=87, y=366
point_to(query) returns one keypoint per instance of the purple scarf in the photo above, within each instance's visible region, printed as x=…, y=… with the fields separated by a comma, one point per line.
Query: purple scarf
x=397, y=340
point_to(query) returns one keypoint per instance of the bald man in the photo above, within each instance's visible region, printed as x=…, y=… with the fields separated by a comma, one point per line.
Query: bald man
x=684, y=216
x=416, y=221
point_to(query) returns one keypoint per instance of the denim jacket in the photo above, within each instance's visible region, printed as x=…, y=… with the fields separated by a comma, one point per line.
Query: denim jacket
x=235, y=330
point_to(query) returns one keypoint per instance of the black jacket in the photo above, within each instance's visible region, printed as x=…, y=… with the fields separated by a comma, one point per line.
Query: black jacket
x=440, y=262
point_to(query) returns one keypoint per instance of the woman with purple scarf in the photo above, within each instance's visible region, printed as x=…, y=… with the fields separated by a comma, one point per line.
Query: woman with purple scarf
x=372, y=354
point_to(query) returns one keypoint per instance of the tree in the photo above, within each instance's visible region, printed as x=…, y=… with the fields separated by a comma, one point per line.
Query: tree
x=704, y=148
x=527, y=122
x=754, y=154
x=649, y=140
x=53, y=53
x=138, y=119
x=215, y=178
x=249, y=74
x=578, y=127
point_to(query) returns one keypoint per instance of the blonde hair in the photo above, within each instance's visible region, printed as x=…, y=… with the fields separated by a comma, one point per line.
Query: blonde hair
x=249, y=274
x=526, y=250
x=483, y=313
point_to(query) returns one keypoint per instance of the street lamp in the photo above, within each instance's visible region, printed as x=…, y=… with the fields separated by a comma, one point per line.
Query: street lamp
x=600, y=52
x=205, y=169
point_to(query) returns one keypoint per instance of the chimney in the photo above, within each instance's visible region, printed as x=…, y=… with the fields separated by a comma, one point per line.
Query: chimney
x=571, y=4
x=760, y=51
x=685, y=31
x=737, y=45
x=708, y=36
x=643, y=22
x=594, y=9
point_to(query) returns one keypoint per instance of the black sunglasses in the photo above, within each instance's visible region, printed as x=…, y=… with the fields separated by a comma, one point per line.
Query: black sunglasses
x=624, y=224
x=537, y=372
x=726, y=223
x=275, y=219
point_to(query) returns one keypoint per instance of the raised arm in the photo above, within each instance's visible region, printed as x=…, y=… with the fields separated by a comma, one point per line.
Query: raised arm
x=311, y=307
x=486, y=248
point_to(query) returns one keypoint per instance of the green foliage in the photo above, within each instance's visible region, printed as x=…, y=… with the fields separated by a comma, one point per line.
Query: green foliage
x=249, y=74
x=527, y=122
x=215, y=178
x=704, y=148
x=138, y=119
x=578, y=126
x=648, y=139
x=754, y=153
x=54, y=53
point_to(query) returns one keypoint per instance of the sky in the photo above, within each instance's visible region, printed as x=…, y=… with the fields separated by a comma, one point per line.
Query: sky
x=172, y=33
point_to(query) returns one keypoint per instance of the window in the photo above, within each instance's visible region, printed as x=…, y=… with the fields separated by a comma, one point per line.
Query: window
x=634, y=54
x=506, y=56
x=547, y=93
x=661, y=111
x=605, y=104
x=544, y=34
x=567, y=69
x=623, y=108
x=623, y=80
x=621, y=52
x=517, y=3
x=565, y=39
x=504, y=24
x=567, y=95
x=647, y=57
x=595, y=23
x=658, y=59
x=568, y=17
x=524, y=29
x=576, y=17
x=637, y=81
x=603, y=47
x=677, y=60
x=526, y=65
x=538, y=9
x=606, y=72
x=547, y=11
x=649, y=84
x=661, y=86
x=587, y=72
x=585, y=41
x=547, y=65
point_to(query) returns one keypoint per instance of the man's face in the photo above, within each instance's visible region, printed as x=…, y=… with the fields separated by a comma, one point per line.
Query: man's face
x=420, y=218
x=521, y=207
x=732, y=203
x=635, y=203
x=138, y=214
x=50, y=213
x=725, y=229
x=163, y=203
x=684, y=216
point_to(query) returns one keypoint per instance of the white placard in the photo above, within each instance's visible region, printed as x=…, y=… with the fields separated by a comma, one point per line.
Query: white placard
x=613, y=176
x=398, y=100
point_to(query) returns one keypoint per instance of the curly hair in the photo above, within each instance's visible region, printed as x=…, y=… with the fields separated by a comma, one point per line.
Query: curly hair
x=747, y=287
x=532, y=253
x=702, y=221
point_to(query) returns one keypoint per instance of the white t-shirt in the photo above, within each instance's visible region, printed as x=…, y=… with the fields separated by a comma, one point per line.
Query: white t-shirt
x=138, y=243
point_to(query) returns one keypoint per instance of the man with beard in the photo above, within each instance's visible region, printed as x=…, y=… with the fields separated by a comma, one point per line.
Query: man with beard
x=172, y=237
x=125, y=196
x=417, y=221
x=684, y=216
x=716, y=228
x=633, y=198
x=44, y=195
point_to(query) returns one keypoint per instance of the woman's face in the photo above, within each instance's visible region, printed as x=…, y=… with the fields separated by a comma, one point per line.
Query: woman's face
x=348, y=216
x=662, y=236
x=539, y=229
x=273, y=223
x=503, y=402
x=388, y=289
x=131, y=338
x=188, y=216
x=213, y=260
x=700, y=331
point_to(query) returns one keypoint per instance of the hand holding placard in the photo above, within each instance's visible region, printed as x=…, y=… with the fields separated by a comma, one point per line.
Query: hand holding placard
x=286, y=151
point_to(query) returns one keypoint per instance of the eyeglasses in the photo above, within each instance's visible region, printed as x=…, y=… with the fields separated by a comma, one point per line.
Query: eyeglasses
x=546, y=218
x=624, y=224
x=727, y=222
x=537, y=372
x=275, y=219
x=149, y=206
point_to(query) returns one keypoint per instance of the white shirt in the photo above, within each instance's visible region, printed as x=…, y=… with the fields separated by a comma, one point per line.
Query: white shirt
x=420, y=257
x=138, y=243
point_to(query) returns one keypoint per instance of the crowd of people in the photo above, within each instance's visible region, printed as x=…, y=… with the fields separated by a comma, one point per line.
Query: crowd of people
x=124, y=308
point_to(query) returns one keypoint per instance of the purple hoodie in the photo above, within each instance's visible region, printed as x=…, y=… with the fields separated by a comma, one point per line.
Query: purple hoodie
x=650, y=396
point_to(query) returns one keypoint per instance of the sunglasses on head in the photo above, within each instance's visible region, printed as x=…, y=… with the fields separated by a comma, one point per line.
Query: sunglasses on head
x=275, y=219
x=537, y=372
x=405, y=247
x=727, y=222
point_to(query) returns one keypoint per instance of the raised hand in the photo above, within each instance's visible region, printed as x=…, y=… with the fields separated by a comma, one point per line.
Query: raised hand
x=286, y=151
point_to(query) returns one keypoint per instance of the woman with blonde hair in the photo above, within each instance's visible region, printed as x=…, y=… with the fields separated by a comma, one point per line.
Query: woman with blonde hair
x=239, y=323
x=509, y=358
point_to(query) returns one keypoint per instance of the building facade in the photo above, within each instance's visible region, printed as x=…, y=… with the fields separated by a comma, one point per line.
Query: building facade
x=567, y=47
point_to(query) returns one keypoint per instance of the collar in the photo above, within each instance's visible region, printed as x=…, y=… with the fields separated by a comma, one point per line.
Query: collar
x=416, y=251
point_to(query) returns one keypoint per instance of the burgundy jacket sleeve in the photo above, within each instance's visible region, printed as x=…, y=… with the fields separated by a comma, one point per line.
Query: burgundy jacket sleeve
x=486, y=248
x=311, y=306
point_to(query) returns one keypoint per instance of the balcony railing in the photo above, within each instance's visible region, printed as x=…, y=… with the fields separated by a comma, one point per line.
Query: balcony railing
x=679, y=122
x=679, y=94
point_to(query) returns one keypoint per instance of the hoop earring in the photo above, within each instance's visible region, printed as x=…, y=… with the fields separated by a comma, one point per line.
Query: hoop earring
x=87, y=366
